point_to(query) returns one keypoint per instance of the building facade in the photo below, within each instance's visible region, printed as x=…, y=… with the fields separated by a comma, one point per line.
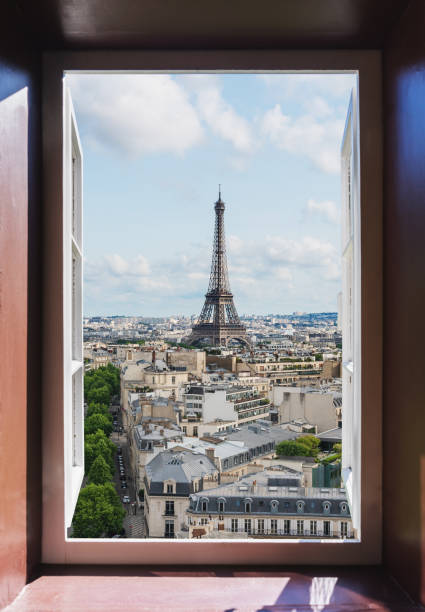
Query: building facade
x=270, y=504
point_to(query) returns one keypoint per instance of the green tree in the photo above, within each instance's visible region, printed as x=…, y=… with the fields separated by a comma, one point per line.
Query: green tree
x=98, y=444
x=99, y=394
x=98, y=421
x=100, y=472
x=98, y=512
x=311, y=442
x=97, y=408
x=290, y=448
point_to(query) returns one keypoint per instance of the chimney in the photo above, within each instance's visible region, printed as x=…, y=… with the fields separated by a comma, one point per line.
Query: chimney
x=210, y=453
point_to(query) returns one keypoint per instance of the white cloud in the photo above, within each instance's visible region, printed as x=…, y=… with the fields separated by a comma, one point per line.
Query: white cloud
x=117, y=264
x=308, y=251
x=318, y=107
x=219, y=115
x=141, y=266
x=306, y=135
x=136, y=114
x=275, y=270
x=327, y=210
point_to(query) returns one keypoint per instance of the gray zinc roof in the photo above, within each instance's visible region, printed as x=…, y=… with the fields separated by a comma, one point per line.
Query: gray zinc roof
x=180, y=466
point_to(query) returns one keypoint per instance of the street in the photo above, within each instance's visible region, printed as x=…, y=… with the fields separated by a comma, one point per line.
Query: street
x=134, y=520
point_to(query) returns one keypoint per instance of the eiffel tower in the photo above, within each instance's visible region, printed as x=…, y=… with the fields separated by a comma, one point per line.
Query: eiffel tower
x=219, y=322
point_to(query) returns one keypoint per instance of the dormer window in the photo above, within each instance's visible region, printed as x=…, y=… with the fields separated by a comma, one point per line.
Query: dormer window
x=300, y=506
x=326, y=507
x=169, y=488
x=204, y=505
x=220, y=505
x=248, y=505
x=274, y=505
x=344, y=507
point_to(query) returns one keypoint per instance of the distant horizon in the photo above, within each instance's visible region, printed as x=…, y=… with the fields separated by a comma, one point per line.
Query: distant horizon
x=269, y=314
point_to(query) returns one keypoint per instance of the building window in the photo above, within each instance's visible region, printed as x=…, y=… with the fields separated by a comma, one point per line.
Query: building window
x=273, y=526
x=326, y=528
x=260, y=525
x=170, y=488
x=344, y=529
x=274, y=505
x=221, y=506
x=313, y=527
x=300, y=506
x=248, y=506
x=286, y=527
x=195, y=431
x=204, y=505
x=169, y=508
x=326, y=507
x=169, y=529
x=235, y=526
x=173, y=380
x=247, y=526
x=300, y=527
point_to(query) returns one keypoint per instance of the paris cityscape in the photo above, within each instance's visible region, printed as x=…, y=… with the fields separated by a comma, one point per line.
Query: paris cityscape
x=213, y=426
x=214, y=314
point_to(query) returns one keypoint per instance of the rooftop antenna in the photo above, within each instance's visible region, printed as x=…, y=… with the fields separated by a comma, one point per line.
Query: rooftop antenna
x=219, y=191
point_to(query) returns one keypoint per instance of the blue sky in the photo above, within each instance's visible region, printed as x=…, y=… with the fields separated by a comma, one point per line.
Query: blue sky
x=155, y=149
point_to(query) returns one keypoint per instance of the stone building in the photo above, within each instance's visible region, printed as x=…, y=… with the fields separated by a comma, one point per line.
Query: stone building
x=316, y=407
x=270, y=504
x=171, y=477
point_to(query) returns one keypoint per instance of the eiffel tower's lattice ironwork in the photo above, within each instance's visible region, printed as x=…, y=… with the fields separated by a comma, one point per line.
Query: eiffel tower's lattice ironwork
x=219, y=320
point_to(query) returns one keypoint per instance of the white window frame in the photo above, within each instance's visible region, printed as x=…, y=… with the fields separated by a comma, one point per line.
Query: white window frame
x=56, y=548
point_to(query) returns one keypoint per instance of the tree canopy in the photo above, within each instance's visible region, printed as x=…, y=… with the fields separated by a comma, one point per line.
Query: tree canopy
x=100, y=472
x=98, y=444
x=292, y=448
x=98, y=513
x=98, y=421
x=100, y=395
x=97, y=408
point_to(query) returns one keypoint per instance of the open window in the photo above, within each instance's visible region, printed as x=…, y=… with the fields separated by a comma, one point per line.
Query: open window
x=351, y=310
x=363, y=493
x=72, y=308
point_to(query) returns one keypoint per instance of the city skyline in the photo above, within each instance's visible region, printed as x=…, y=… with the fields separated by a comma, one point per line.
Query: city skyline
x=156, y=147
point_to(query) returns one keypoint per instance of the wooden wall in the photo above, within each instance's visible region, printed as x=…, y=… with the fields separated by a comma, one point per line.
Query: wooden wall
x=404, y=299
x=20, y=281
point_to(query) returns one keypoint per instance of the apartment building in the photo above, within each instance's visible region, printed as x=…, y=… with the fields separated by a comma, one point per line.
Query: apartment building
x=270, y=504
x=229, y=403
x=171, y=477
x=320, y=408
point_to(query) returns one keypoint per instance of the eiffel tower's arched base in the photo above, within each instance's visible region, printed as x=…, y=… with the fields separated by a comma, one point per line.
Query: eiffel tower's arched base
x=218, y=336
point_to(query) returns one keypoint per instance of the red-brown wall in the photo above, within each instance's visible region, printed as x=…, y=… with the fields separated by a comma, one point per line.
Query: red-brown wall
x=404, y=299
x=19, y=308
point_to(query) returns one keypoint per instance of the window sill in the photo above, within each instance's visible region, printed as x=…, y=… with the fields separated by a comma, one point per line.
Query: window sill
x=93, y=588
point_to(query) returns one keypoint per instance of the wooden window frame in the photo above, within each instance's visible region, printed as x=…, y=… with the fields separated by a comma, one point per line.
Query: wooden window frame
x=56, y=548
